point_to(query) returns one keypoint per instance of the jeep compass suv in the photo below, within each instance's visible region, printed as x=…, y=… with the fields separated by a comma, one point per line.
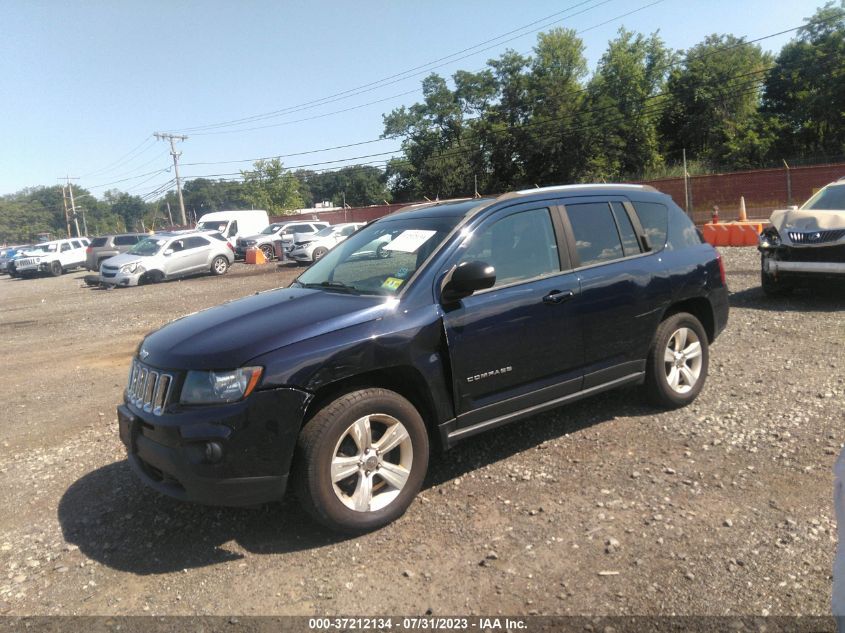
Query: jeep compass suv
x=485, y=312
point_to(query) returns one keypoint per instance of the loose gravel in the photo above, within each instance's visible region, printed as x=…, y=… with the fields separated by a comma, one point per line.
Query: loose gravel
x=606, y=507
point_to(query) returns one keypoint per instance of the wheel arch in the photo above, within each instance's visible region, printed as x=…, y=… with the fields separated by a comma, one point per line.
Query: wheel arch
x=700, y=308
x=404, y=380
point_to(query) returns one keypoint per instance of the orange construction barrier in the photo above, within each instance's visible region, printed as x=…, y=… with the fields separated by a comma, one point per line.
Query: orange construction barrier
x=255, y=256
x=732, y=233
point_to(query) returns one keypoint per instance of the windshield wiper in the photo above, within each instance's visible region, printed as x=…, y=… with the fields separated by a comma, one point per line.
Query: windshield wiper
x=333, y=285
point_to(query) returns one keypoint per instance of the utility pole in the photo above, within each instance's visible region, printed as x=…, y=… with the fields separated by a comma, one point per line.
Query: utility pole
x=73, y=208
x=67, y=217
x=172, y=137
x=67, y=179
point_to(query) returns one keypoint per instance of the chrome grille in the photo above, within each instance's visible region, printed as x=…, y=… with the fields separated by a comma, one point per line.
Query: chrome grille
x=816, y=237
x=148, y=389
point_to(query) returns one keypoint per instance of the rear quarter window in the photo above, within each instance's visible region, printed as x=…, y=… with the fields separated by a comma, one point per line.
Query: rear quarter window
x=654, y=218
x=682, y=231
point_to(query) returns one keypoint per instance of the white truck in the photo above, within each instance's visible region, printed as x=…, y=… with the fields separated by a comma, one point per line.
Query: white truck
x=54, y=257
x=234, y=224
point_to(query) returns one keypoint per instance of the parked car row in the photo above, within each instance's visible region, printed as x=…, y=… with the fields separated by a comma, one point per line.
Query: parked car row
x=54, y=258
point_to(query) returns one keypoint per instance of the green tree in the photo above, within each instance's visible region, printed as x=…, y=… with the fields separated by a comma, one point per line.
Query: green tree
x=624, y=98
x=805, y=91
x=269, y=186
x=713, y=100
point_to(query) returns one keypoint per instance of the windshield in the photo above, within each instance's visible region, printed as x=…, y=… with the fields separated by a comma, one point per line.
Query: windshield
x=147, y=246
x=217, y=225
x=380, y=258
x=271, y=229
x=828, y=199
x=325, y=232
x=45, y=248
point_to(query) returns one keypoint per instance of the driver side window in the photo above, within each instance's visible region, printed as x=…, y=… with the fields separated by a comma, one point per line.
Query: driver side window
x=520, y=246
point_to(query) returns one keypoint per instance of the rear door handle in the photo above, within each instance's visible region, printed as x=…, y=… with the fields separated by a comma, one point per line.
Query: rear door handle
x=558, y=296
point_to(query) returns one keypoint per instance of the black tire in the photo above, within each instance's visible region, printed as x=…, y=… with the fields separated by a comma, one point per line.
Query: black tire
x=382, y=252
x=151, y=277
x=268, y=251
x=318, y=253
x=325, y=436
x=659, y=371
x=56, y=269
x=773, y=287
x=219, y=265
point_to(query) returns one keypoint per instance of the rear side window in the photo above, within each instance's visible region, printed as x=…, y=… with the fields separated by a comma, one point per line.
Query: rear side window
x=596, y=237
x=125, y=240
x=99, y=241
x=76, y=244
x=630, y=243
x=654, y=218
x=195, y=242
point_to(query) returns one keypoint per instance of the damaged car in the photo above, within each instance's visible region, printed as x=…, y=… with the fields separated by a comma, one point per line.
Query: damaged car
x=806, y=243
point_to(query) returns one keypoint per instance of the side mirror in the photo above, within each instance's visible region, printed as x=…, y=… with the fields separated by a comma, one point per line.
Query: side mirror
x=168, y=252
x=465, y=279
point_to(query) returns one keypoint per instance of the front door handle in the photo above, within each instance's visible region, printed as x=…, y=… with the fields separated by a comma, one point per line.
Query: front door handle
x=558, y=296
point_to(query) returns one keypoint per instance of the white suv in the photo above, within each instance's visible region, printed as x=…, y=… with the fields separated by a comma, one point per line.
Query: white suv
x=54, y=257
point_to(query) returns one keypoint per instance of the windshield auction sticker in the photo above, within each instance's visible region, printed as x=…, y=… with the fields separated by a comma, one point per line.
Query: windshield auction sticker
x=392, y=283
x=409, y=241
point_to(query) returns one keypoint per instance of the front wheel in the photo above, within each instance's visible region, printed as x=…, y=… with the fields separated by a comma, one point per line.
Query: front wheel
x=773, y=287
x=677, y=363
x=361, y=460
x=267, y=249
x=56, y=269
x=219, y=265
x=319, y=252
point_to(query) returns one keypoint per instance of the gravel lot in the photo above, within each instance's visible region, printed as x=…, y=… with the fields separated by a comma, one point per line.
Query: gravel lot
x=605, y=507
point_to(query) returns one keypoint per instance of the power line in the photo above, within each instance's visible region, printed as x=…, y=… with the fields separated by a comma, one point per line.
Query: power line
x=120, y=160
x=406, y=74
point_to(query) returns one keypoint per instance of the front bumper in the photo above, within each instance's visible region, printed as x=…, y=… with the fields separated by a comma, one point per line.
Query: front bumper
x=120, y=279
x=300, y=255
x=804, y=261
x=255, y=440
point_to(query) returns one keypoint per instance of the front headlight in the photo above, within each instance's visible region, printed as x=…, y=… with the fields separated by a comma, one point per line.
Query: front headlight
x=37, y=260
x=132, y=268
x=210, y=387
x=769, y=238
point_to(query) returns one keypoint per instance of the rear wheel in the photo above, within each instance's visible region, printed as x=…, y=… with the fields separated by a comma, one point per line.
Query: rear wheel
x=56, y=269
x=319, y=252
x=677, y=363
x=219, y=265
x=267, y=249
x=361, y=460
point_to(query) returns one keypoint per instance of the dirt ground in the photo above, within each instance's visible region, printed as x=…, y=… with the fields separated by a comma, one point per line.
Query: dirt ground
x=605, y=507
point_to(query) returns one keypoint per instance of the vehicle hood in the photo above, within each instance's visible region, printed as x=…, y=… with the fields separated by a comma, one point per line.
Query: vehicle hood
x=34, y=254
x=259, y=237
x=807, y=220
x=123, y=259
x=229, y=335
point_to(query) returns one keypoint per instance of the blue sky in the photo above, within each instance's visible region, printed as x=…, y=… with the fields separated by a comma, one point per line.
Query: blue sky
x=86, y=83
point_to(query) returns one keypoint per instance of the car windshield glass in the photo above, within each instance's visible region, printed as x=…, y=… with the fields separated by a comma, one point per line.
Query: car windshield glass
x=212, y=226
x=828, y=199
x=147, y=246
x=47, y=248
x=271, y=229
x=324, y=232
x=380, y=258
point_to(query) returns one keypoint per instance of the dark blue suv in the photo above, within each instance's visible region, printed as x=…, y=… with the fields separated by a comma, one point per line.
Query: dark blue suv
x=426, y=327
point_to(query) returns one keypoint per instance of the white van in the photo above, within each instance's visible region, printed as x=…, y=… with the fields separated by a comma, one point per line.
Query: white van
x=234, y=224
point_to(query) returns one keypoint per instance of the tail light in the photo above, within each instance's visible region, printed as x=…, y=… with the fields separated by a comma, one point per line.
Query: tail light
x=89, y=250
x=721, y=268
x=231, y=248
